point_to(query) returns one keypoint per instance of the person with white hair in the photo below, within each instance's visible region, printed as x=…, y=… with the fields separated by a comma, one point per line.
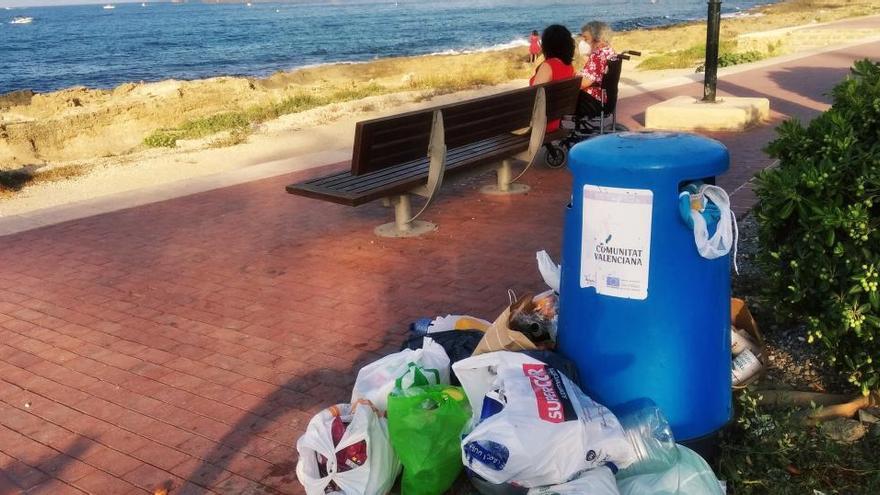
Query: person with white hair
x=598, y=35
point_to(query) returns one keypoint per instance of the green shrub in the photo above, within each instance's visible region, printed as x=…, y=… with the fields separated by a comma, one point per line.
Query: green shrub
x=238, y=122
x=696, y=54
x=678, y=59
x=818, y=215
x=161, y=138
x=730, y=58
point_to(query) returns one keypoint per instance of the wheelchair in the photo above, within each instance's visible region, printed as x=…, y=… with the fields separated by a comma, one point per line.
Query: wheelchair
x=586, y=128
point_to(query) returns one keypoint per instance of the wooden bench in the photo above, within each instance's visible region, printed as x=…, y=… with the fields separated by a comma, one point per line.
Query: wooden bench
x=412, y=153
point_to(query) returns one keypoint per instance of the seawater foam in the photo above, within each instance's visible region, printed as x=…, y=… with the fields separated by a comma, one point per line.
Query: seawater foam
x=493, y=48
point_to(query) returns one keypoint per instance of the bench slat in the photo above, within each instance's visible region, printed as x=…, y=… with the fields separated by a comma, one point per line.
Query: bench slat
x=461, y=133
x=403, y=186
x=376, y=179
x=462, y=156
x=338, y=180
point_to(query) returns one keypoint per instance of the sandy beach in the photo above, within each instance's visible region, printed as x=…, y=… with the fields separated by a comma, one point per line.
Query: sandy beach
x=78, y=143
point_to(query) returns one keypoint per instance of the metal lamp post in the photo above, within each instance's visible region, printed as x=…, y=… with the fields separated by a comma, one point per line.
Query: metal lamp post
x=713, y=29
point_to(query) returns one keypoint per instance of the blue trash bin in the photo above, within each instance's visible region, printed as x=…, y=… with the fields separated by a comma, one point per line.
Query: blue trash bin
x=642, y=314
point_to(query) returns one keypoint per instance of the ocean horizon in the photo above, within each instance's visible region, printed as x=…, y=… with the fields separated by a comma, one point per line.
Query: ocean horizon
x=97, y=47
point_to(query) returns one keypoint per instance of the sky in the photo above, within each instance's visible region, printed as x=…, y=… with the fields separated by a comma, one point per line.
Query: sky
x=53, y=3
x=45, y=3
x=50, y=3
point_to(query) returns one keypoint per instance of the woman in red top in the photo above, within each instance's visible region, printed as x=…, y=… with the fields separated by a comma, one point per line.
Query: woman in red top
x=558, y=47
x=534, y=47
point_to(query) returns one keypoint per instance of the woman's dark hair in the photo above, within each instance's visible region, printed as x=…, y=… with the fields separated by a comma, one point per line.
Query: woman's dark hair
x=535, y=33
x=556, y=42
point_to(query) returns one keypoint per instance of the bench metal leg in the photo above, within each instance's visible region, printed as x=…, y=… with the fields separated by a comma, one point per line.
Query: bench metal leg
x=505, y=185
x=403, y=224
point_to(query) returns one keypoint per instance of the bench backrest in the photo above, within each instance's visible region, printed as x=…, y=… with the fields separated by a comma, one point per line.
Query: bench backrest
x=389, y=141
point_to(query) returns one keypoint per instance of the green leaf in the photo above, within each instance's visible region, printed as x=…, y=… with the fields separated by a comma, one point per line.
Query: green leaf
x=786, y=210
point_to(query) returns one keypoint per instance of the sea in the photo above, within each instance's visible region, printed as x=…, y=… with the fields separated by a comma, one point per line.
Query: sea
x=97, y=47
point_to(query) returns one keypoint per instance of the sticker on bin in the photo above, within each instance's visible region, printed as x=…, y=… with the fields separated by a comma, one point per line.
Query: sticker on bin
x=616, y=244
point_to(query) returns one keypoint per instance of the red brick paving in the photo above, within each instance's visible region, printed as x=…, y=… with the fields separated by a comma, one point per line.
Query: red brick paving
x=188, y=342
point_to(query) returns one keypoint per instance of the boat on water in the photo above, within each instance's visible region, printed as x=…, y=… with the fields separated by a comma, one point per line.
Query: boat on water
x=109, y=6
x=143, y=4
x=21, y=20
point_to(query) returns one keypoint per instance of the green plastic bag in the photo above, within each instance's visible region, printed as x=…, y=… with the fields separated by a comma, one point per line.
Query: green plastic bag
x=425, y=426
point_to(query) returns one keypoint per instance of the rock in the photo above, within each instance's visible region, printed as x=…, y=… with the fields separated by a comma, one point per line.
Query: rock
x=875, y=431
x=843, y=430
x=16, y=98
x=866, y=417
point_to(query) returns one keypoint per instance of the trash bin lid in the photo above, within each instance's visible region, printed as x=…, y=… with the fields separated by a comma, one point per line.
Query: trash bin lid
x=682, y=154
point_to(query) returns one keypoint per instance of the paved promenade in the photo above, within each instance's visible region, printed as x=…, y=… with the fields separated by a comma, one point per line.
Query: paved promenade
x=188, y=342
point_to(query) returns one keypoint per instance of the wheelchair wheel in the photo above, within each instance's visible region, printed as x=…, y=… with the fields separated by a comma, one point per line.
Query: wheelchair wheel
x=555, y=156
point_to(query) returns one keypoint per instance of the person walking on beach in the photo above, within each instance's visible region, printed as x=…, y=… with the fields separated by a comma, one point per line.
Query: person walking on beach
x=591, y=99
x=534, y=47
x=558, y=47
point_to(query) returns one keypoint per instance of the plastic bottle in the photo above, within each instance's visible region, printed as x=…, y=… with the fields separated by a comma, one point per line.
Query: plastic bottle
x=650, y=435
x=420, y=326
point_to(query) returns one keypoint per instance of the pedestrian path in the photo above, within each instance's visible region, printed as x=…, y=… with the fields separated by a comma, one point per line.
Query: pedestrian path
x=188, y=341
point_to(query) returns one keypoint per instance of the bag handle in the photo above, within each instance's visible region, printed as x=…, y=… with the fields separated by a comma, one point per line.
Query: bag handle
x=419, y=378
x=719, y=196
x=511, y=296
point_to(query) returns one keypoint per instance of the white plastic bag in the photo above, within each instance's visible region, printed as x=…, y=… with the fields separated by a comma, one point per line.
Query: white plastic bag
x=726, y=233
x=550, y=271
x=376, y=380
x=599, y=481
x=547, y=430
x=690, y=475
x=375, y=476
x=457, y=322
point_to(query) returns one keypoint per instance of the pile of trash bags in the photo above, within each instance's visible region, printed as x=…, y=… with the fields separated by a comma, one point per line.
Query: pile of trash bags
x=494, y=400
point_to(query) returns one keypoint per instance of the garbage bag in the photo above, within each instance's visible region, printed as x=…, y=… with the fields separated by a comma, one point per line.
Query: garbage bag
x=457, y=322
x=458, y=344
x=425, y=425
x=689, y=475
x=534, y=426
x=555, y=360
x=424, y=326
x=550, y=271
x=376, y=380
x=347, y=449
x=599, y=481
x=518, y=328
x=545, y=311
x=712, y=202
x=486, y=488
